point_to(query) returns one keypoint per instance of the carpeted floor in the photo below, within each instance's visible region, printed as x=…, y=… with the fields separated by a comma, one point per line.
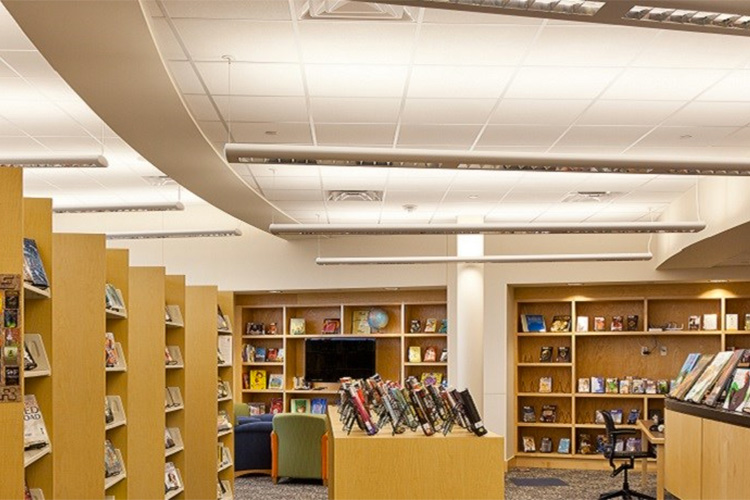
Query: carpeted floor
x=571, y=484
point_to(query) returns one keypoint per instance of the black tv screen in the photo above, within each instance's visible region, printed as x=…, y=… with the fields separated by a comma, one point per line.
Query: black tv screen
x=327, y=360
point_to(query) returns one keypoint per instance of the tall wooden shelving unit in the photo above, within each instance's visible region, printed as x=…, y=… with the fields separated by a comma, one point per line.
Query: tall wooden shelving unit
x=225, y=301
x=393, y=341
x=77, y=365
x=118, y=274
x=146, y=378
x=200, y=392
x=610, y=353
x=175, y=376
x=37, y=221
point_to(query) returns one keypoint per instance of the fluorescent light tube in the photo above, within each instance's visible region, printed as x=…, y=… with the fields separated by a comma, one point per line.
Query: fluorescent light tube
x=489, y=228
x=90, y=161
x=163, y=207
x=149, y=235
x=487, y=259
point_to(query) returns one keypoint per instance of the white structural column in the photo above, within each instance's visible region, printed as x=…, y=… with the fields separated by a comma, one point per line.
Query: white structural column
x=470, y=318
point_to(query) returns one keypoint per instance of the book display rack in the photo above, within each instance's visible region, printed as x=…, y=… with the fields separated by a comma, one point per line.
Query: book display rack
x=175, y=376
x=225, y=307
x=587, y=348
x=270, y=334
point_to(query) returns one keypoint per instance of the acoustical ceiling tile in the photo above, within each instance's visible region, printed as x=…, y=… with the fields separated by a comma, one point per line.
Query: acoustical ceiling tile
x=353, y=80
x=560, y=83
x=354, y=172
x=420, y=197
x=492, y=45
x=587, y=45
x=355, y=134
x=661, y=84
x=354, y=184
x=185, y=78
x=254, y=41
x=679, y=49
x=641, y=196
x=473, y=82
x=447, y=16
x=669, y=183
x=16, y=89
x=71, y=144
x=256, y=9
x=457, y=135
x=287, y=133
x=615, y=217
x=483, y=180
x=712, y=114
x=11, y=36
x=685, y=137
x=620, y=183
x=415, y=180
x=201, y=108
x=739, y=138
x=289, y=183
x=8, y=130
x=259, y=170
x=254, y=79
x=447, y=111
x=538, y=111
x=21, y=145
x=601, y=136
x=40, y=118
x=166, y=40
x=315, y=195
x=463, y=208
x=373, y=42
x=516, y=212
x=558, y=182
x=630, y=112
x=473, y=196
x=355, y=110
x=54, y=89
x=5, y=70
x=569, y=212
x=587, y=150
x=643, y=208
x=520, y=135
x=263, y=109
x=534, y=196
x=733, y=87
x=214, y=130
x=29, y=64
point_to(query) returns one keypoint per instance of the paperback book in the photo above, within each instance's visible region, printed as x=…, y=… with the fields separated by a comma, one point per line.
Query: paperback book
x=300, y=405
x=257, y=380
x=548, y=414
x=430, y=325
x=529, y=444
x=33, y=269
x=319, y=406
x=560, y=324
x=545, y=446
x=34, y=432
x=719, y=387
x=112, y=463
x=545, y=384
x=584, y=384
x=222, y=421
x=528, y=414
x=563, y=446
x=597, y=385
x=738, y=393
x=171, y=478
x=545, y=354
x=276, y=381
x=533, y=323
x=708, y=377
x=297, y=326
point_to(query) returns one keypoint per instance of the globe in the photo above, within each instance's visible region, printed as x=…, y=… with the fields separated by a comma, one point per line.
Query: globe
x=377, y=319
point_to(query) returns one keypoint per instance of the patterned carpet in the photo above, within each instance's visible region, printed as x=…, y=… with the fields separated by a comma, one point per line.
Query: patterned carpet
x=582, y=485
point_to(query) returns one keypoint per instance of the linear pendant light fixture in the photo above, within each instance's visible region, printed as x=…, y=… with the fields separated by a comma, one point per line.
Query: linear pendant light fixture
x=155, y=207
x=84, y=161
x=150, y=235
x=268, y=154
x=487, y=259
x=488, y=228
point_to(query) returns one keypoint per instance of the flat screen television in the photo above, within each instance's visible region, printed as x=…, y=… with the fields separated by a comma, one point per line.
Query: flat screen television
x=327, y=360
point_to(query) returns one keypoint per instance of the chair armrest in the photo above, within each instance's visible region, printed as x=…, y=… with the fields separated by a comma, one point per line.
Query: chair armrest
x=247, y=420
x=259, y=427
x=623, y=432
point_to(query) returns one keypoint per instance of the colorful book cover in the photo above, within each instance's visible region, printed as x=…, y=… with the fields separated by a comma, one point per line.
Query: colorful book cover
x=582, y=324
x=708, y=377
x=563, y=446
x=415, y=354
x=548, y=414
x=545, y=445
x=277, y=405
x=617, y=324
x=319, y=406
x=529, y=416
x=611, y=385
x=260, y=354
x=529, y=444
x=738, y=393
x=633, y=416
x=723, y=380
x=545, y=384
x=687, y=366
x=431, y=378
x=584, y=384
x=297, y=326
x=533, y=323
x=33, y=268
x=257, y=380
x=300, y=405
x=560, y=323
x=430, y=325
x=597, y=385
x=276, y=381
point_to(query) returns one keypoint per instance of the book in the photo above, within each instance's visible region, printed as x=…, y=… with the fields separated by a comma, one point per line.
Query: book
x=631, y=323
x=548, y=414
x=225, y=348
x=650, y=386
x=360, y=323
x=616, y=415
x=738, y=393
x=732, y=322
x=168, y=439
x=545, y=445
x=272, y=354
x=585, y=447
x=430, y=325
x=415, y=326
x=563, y=446
x=276, y=381
x=563, y=354
x=277, y=406
x=256, y=408
x=332, y=326
x=444, y=355
x=222, y=421
x=601, y=442
x=560, y=323
x=611, y=385
x=545, y=384
x=168, y=358
x=222, y=389
x=662, y=386
x=625, y=386
x=111, y=356
x=34, y=432
x=171, y=478
x=33, y=268
x=443, y=327
x=221, y=320
x=600, y=324
x=257, y=380
x=598, y=417
x=582, y=324
x=719, y=388
x=318, y=406
x=633, y=416
x=528, y=415
x=687, y=366
x=747, y=321
x=710, y=322
x=112, y=463
x=633, y=444
x=545, y=354
x=617, y=324
x=272, y=329
x=248, y=353
x=415, y=354
x=300, y=405
x=431, y=378
x=255, y=329
x=687, y=383
x=280, y=354
x=533, y=323
x=597, y=385
x=297, y=326
x=260, y=354
x=694, y=322
x=29, y=363
x=708, y=377
x=109, y=415
x=529, y=445
x=584, y=384
x=430, y=354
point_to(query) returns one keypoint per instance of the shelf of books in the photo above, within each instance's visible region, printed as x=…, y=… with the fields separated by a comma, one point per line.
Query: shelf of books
x=116, y=295
x=609, y=347
x=409, y=328
x=225, y=416
x=174, y=352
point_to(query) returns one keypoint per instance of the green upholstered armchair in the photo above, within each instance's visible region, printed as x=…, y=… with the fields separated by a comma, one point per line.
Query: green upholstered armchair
x=299, y=446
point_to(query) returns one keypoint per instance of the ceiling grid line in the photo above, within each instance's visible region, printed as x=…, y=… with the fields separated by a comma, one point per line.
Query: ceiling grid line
x=407, y=82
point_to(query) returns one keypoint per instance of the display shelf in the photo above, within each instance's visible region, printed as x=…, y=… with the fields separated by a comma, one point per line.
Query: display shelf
x=174, y=493
x=543, y=424
x=118, y=411
x=113, y=480
x=312, y=392
x=179, y=445
x=176, y=354
x=172, y=324
x=115, y=314
x=544, y=394
x=602, y=426
x=34, y=293
x=121, y=365
x=263, y=391
x=544, y=334
x=31, y=456
x=36, y=493
x=264, y=363
x=224, y=433
x=616, y=395
x=227, y=487
x=427, y=363
x=35, y=345
x=542, y=364
x=263, y=337
x=416, y=335
x=174, y=408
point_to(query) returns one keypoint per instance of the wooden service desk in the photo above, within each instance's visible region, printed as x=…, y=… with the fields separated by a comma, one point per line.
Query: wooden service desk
x=412, y=465
x=657, y=439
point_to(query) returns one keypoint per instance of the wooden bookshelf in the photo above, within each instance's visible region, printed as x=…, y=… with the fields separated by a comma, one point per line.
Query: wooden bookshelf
x=200, y=436
x=611, y=354
x=146, y=377
x=175, y=336
x=225, y=301
x=392, y=341
x=77, y=362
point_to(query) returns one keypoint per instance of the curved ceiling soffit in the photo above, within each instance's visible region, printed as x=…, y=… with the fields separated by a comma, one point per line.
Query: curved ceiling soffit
x=711, y=251
x=106, y=52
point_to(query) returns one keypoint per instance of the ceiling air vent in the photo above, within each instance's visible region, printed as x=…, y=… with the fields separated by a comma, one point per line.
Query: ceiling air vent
x=355, y=10
x=352, y=195
x=589, y=196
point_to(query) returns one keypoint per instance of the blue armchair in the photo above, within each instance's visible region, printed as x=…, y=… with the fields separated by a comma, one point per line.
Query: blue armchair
x=252, y=442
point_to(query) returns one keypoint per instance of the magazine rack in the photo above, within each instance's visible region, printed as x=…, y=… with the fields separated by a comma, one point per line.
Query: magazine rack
x=35, y=345
x=178, y=444
x=121, y=365
x=118, y=411
x=176, y=354
x=174, y=493
x=113, y=480
x=225, y=302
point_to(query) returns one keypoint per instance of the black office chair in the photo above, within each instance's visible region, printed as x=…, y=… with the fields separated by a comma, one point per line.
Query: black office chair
x=613, y=434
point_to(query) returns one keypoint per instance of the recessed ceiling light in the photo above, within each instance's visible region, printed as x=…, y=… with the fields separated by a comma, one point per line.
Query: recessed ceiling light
x=272, y=132
x=688, y=17
x=409, y=207
x=717, y=281
x=354, y=195
x=473, y=196
x=686, y=136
